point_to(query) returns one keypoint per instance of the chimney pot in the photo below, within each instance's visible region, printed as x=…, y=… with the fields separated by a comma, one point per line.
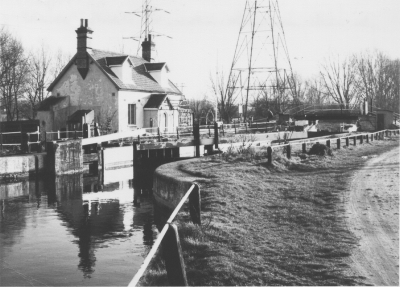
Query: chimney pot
x=81, y=22
x=86, y=23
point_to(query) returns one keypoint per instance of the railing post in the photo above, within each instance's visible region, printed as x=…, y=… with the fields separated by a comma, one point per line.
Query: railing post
x=338, y=143
x=195, y=205
x=367, y=138
x=328, y=143
x=372, y=137
x=288, y=151
x=172, y=253
x=216, y=138
x=269, y=155
x=347, y=141
x=361, y=139
x=355, y=140
x=196, y=135
x=304, y=147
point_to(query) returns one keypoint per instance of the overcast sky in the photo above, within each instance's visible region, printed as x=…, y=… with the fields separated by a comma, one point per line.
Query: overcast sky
x=204, y=32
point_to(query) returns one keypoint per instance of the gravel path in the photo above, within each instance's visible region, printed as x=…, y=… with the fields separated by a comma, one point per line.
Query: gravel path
x=373, y=215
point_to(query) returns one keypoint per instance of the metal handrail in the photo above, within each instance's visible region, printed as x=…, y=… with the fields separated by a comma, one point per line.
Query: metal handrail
x=160, y=237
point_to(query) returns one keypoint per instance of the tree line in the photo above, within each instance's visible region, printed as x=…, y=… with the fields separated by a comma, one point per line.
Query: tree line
x=25, y=76
x=346, y=83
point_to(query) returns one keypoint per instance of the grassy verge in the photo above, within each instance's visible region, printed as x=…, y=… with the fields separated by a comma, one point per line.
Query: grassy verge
x=271, y=225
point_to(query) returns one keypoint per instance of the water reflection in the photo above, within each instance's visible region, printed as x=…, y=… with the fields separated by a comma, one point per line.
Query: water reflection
x=99, y=219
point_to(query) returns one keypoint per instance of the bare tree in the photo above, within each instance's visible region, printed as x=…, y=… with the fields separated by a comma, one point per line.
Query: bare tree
x=38, y=80
x=14, y=68
x=202, y=110
x=378, y=80
x=314, y=92
x=339, y=81
x=225, y=95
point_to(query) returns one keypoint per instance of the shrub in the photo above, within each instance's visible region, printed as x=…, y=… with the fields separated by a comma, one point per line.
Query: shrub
x=320, y=149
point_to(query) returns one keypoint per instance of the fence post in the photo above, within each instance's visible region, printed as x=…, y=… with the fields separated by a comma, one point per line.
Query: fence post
x=304, y=146
x=172, y=253
x=196, y=135
x=355, y=140
x=195, y=205
x=367, y=138
x=288, y=151
x=216, y=139
x=269, y=154
x=361, y=139
x=347, y=141
x=372, y=137
x=328, y=143
x=338, y=143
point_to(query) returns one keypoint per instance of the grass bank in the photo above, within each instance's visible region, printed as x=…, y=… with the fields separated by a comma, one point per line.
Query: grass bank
x=271, y=225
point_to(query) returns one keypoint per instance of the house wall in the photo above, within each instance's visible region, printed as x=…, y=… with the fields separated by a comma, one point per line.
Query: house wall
x=131, y=97
x=92, y=93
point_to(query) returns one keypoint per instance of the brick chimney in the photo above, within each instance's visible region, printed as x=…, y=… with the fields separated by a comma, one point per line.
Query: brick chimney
x=148, y=49
x=84, y=46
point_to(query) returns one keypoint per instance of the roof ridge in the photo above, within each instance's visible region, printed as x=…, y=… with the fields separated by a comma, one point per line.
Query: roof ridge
x=117, y=53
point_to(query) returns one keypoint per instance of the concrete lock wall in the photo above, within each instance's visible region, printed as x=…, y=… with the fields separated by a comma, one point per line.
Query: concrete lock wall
x=65, y=157
x=22, y=165
x=170, y=184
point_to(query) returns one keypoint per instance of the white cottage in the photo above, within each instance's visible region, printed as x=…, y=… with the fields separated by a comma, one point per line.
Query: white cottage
x=124, y=92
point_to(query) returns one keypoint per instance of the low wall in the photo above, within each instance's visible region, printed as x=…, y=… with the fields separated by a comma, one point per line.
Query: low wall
x=170, y=184
x=21, y=166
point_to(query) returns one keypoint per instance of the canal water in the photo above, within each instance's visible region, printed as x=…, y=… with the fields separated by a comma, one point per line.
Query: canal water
x=73, y=231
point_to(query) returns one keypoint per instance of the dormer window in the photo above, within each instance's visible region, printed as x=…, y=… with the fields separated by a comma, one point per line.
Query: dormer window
x=159, y=71
x=121, y=67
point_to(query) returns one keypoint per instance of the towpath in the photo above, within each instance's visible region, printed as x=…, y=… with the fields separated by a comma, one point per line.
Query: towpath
x=373, y=215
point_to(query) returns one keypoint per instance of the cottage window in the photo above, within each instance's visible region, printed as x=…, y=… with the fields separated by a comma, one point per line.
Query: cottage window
x=132, y=114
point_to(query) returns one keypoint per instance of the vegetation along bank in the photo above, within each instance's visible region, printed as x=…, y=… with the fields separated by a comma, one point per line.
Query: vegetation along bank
x=279, y=224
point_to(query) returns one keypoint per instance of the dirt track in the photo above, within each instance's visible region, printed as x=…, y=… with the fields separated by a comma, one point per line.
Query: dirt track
x=373, y=215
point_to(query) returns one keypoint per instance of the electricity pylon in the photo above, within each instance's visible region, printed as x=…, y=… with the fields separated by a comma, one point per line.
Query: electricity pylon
x=261, y=59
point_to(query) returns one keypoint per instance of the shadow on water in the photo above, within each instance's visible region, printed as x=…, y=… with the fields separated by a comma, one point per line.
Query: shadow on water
x=105, y=224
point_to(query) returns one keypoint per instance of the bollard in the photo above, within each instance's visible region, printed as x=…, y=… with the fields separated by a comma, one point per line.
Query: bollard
x=304, y=145
x=269, y=154
x=338, y=143
x=216, y=138
x=328, y=143
x=195, y=205
x=172, y=253
x=347, y=141
x=355, y=140
x=288, y=151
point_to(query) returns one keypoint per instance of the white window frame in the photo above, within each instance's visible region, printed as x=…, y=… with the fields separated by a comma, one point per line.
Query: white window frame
x=132, y=108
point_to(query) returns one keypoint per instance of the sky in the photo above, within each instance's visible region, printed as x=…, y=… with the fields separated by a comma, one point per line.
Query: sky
x=202, y=34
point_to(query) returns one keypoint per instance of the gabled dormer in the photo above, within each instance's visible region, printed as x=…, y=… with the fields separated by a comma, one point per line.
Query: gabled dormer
x=121, y=67
x=159, y=72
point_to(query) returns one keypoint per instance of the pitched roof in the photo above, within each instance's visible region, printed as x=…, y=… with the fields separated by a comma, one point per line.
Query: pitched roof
x=115, y=61
x=77, y=116
x=155, y=66
x=155, y=101
x=50, y=101
x=143, y=80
